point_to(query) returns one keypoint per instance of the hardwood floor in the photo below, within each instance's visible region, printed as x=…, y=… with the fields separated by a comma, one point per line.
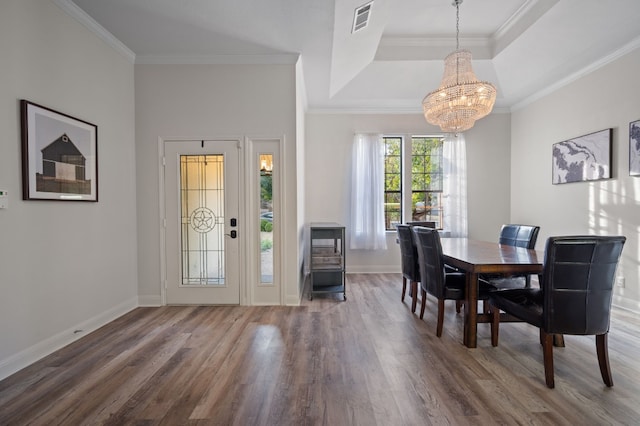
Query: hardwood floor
x=366, y=361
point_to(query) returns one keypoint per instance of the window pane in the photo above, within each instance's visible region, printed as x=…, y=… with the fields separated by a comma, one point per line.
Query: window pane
x=392, y=164
x=393, y=181
x=266, y=218
x=202, y=212
x=426, y=179
x=392, y=209
x=427, y=206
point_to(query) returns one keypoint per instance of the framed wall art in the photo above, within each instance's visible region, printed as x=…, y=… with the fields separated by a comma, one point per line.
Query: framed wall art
x=585, y=158
x=59, y=155
x=634, y=148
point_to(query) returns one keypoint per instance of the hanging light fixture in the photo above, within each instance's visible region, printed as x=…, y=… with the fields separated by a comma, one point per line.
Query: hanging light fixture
x=461, y=99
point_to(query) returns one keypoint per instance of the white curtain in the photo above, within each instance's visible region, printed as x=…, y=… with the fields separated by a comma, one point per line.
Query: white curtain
x=454, y=157
x=367, y=228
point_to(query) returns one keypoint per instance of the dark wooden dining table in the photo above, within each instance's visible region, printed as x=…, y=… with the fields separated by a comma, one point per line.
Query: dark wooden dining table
x=482, y=257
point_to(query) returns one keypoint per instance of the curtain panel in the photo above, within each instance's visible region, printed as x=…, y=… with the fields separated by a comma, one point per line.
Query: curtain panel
x=454, y=157
x=367, y=228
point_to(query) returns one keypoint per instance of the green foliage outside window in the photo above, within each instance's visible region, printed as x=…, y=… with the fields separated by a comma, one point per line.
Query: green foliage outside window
x=266, y=185
x=392, y=181
x=426, y=180
x=266, y=245
x=266, y=226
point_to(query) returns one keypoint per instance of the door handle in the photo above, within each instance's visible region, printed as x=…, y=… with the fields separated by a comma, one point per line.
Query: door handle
x=232, y=234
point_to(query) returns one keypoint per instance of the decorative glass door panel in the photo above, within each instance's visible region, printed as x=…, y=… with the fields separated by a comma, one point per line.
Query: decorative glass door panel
x=266, y=219
x=201, y=211
x=203, y=230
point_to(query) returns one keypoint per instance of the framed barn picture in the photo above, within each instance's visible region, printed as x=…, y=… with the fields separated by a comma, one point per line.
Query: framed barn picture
x=59, y=155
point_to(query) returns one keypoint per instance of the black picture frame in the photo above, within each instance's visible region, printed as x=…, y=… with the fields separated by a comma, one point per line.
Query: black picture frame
x=634, y=148
x=59, y=155
x=582, y=159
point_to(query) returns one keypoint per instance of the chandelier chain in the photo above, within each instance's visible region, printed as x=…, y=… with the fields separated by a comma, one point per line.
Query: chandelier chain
x=457, y=41
x=457, y=25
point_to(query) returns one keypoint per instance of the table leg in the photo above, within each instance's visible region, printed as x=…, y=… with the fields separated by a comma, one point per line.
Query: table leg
x=471, y=310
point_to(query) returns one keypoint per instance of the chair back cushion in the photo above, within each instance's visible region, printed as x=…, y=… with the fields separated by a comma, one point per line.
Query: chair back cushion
x=577, y=283
x=425, y=224
x=430, y=261
x=408, y=253
x=519, y=235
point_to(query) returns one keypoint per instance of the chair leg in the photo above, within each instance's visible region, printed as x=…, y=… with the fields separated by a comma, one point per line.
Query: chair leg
x=458, y=306
x=547, y=355
x=558, y=340
x=423, y=303
x=404, y=287
x=440, y=317
x=414, y=295
x=495, y=324
x=602, y=348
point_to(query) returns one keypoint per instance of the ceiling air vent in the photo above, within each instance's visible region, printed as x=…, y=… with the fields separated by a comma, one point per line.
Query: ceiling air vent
x=361, y=17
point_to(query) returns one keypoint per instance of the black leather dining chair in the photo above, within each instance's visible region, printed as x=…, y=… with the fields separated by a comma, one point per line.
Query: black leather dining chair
x=409, y=258
x=519, y=236
x=574, y=297
x=427, y=224
x=433, y=278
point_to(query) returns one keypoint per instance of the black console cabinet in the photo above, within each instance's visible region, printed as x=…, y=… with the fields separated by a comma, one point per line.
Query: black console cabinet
x=327, y=259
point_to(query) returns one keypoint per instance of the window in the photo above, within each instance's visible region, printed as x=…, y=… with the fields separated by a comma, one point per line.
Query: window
x=392, y=181
x=422, y=198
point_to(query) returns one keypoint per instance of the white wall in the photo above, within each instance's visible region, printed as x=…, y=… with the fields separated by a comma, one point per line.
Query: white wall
x=63, y=265
x=301, y=106
x=328, y=173
x=605, y=98
x=209, y=102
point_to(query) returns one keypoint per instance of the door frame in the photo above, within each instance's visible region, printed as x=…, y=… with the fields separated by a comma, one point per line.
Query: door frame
x=163, y=216
x=258, y=294
x=248, y=234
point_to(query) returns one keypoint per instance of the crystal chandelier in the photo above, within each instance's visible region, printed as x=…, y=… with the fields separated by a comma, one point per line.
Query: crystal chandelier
x=461, y=99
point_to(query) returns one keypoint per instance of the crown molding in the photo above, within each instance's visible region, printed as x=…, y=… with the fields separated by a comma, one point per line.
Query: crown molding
x=522, y=15
x=71, y=9
x=262, y=59
x=398, y=109
x=449, y=42
x=627, y=48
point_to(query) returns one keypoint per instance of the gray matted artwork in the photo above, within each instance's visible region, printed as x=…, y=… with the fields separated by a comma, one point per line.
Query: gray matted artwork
x=634, y=148
x=584, y=158
x=59, y=155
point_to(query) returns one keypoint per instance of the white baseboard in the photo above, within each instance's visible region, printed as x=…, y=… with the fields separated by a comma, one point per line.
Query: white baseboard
x=292, y=300
x=374, y=269
x=149, y=301
x=38, y=351
x=626, y=304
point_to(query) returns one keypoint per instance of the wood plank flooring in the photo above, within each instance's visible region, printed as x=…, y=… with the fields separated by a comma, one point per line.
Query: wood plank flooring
x=366, y=361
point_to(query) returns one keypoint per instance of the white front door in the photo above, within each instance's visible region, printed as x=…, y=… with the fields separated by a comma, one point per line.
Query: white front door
x=201, y=210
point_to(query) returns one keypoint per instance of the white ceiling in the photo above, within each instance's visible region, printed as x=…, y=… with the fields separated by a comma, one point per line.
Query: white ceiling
x=523, y=47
